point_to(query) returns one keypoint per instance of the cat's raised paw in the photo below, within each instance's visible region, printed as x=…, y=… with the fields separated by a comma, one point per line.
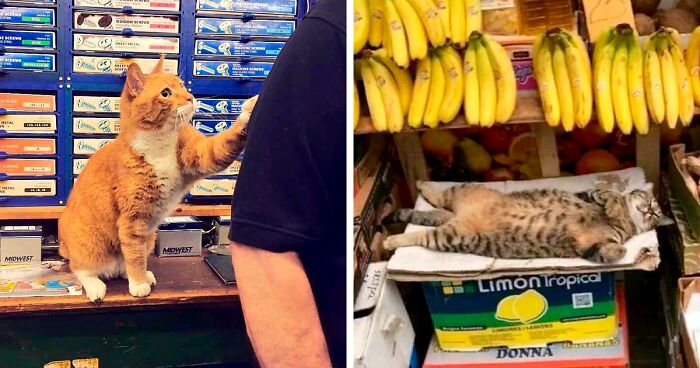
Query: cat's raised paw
x=150, y=278
x=139, y=290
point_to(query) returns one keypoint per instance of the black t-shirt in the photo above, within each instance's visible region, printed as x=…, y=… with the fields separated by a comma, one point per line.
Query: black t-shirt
x=290, y=194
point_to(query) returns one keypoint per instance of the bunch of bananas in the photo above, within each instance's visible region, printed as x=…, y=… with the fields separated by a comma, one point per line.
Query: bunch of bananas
x=666, y=79
x=405, y=28
x=692, y=58
x=563, y=73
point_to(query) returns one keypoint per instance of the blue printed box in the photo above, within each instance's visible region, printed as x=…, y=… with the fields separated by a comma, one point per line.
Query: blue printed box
x=31, y=62
x=28, y=39
x=209, y=126
x=282, y=7
x=219, y=106
x=232, y=69
x=236, y=48
x=27, y=16
x=253, y=28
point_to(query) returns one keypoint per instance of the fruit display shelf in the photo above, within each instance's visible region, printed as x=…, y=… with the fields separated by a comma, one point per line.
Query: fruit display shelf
x=54, y=212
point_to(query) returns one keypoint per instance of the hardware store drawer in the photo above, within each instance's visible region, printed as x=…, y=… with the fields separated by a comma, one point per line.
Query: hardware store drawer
x=119, y=22
x=219, y=106
x=88, y=146
x=27, y=167
x=83, y=125
x=252, y=49
x=96, y=104
x=278, y=7
x=237, y=27
x=114, y=65
x=169, y=5
x=119, y=44
x=213, y=188
x=28, y=146
x=28, y=188
x=225, y=69
x=28, y=123
x=23, y=39
x=18, y=16
x=28, y=62
x=27, y=102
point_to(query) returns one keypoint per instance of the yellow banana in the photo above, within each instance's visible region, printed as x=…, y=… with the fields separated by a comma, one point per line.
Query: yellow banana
x=561, y=78
x=376, y=15
x=402, y=77
x=415, y=33
x=546, y=85
x=487, y=85
x=653, y=87
x=356, y=105
x=374, y=97
x=605, y=37
x=399, y=43
x=669, y=81
x=505, y=79
x=473, y=16
x=582, y=50
x=471, y=85
x=686, y=106
x=454, y=83
x=635, y=85
x=443, y=7
x=360, y=24
x=602, y=67
x=419, y=97
x=692, y=59
x=390, y=95
x=458, y=23
x=620, y=97
x=579, y=84
x=386, y=38
x=437, y=91
x=428, y=13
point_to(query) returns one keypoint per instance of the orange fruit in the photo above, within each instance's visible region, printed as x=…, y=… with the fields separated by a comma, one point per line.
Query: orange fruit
x=590, y=137
x=439, y=143
x=595, y=161
x=523, y=148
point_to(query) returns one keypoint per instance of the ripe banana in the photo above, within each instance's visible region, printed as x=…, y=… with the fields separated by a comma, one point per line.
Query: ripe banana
x=669, y=81
x=582, y=50
x=374, y=97
x=635, y=85
x=428, y=13
x=692, y=59
x=505, y=79
x=436, y=93
x=399, y=45
x=620, y=97
x=454, y=83
x=487, y=84
x=360, y=24
x=390, y=95
x=473, y=16
x=356, y=105
x=419, y=97
x=376, y=15
x=386, y=38
x=471, y=85
x=443, y=7
x=602, y=67
x=415, y=33
x=561, y=78
x=605, y=37
x=580, y=84
x=653, y=85
x=686, y=106
x=546, y=85
x=458, y=23
x=402, y=77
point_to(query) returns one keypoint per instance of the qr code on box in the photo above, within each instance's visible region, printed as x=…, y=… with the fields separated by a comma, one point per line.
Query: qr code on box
x=582, y=300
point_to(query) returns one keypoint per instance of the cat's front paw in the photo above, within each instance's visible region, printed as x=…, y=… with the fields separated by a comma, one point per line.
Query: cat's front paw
x=389, y=243
x=246, y=111
x=139, y=290
x=95, y=289
x=150, y=278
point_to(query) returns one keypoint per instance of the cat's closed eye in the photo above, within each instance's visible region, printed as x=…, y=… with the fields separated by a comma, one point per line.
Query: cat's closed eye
x=166, y=92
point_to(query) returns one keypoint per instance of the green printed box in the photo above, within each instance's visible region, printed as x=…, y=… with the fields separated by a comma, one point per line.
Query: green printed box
x=522, y=311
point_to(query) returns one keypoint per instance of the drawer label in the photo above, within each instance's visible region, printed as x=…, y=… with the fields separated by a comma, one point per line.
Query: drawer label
x=284, y=7
x=96, y=125
x=28, y=39
x=112, y=65
x=96, y=104
x=231, y=69
x=213, y=187
x=79, y=165
x=256, y=28
x=236, y=48
x=27, y=102
x=170, y=5
x=28, y=146
x=28, y=188
x=118, y=22
x=219, y=106
x=87, y=42
x=88, y=146
x=28, y=167
x=27, y=16
x=232, y=170
x=210, y=126
x=30, y=62
x=28, y=123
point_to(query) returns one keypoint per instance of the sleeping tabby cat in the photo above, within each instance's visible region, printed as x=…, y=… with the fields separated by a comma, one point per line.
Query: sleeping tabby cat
x=108, y=228
x=545, y=223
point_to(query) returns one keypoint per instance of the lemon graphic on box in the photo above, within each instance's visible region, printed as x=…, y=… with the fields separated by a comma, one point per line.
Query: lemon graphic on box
x=525, y=308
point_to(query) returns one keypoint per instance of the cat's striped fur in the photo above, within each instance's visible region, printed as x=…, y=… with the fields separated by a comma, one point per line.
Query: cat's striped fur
x=544, y=223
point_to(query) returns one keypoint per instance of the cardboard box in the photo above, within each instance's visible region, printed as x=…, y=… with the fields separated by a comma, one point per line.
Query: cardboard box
x=28, y=123
x=28, y=188
x=28, y=167
x=96, y=104
x=383, y=333
x=257, y=28
x=611, y=353
x=222, y=225
x=370, y=162
x=179, y=236
x=169, y=5
x=114, y=65
x=28, y=146
x=117, y=22
x=533, y=310
x=689, y=327
x=20, y=244
x=682, y=186
x=88, y=146
x=114, y=43
x=83, y=125
x=27, y=102
x=683, y=242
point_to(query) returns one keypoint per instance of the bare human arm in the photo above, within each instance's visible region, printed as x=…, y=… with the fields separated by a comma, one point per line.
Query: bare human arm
x=279, y=308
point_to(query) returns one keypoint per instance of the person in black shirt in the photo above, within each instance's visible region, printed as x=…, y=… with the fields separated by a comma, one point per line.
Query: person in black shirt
x=288, y=213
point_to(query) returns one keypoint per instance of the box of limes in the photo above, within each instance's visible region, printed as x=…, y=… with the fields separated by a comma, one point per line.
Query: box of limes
x=522, y=311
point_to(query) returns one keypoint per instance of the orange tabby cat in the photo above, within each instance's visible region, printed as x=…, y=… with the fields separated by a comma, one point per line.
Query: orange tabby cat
x=108, y=228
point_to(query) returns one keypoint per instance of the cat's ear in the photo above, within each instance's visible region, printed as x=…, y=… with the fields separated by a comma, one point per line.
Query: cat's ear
x=134, y=80
x=159, y=66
